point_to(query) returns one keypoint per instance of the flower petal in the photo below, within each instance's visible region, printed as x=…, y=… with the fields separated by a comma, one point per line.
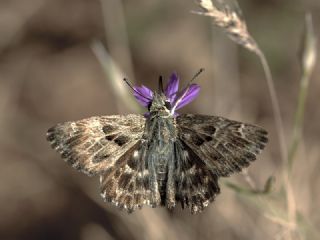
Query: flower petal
x=192, y=93
x=172, y=87
x=145, y=96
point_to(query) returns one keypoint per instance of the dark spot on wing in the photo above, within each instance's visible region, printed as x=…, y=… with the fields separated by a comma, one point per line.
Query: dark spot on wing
x=51, y=130
x=108, y=128
x=197, y=140
x=50, y=137
x=263, y=139
x=261, y=131
x=209, y=130
x=74, y=141
x=73, y=158
x=100, y=157
x=208, y=138
x=121, y=140
x=66, y=154
x=250, y=156
x=117, y=173
x=132, y=163
x=111, y=137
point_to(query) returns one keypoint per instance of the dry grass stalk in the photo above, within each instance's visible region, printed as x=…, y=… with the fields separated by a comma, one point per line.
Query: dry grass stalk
x=114, y=75
x=230, y=22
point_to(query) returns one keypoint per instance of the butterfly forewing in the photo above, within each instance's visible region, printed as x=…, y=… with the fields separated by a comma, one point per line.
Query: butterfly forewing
x=225, y=146
x=95, y=145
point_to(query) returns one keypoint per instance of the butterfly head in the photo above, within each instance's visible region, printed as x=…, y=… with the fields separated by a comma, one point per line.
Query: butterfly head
x=160, y=105
x=166, y=100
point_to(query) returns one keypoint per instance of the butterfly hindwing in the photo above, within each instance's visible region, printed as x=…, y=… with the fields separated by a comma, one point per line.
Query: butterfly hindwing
x=225, y=146
x=127, y=184
x=196, y=185
x=95, y=145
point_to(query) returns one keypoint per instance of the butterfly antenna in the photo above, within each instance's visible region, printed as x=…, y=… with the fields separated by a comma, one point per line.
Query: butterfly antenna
x=160, y=85
x=133, y=89
x=201, y=70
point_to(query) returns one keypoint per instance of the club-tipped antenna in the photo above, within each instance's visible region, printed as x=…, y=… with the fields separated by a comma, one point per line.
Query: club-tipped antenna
x=160, y=85
x=133, y=89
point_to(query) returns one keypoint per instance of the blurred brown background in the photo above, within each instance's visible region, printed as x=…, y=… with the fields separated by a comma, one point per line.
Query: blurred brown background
x=49, y=73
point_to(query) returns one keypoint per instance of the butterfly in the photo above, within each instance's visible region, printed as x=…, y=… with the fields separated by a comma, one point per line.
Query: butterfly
x=161, y=158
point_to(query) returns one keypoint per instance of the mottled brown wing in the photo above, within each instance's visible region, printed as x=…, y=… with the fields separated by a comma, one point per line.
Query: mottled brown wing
x=126, y=184
x=95, y=145
x=196, y=185
x=225, y=146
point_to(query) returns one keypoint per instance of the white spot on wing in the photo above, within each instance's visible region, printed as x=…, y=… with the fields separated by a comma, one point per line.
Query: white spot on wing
x=136, y=154
x=241, y=130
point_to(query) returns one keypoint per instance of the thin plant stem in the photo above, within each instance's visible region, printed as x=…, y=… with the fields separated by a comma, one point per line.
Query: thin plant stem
x=275, y=106
x=290, y=198
x=298, y=120
x=115, y=75
x=116, y=34
x=308, y=59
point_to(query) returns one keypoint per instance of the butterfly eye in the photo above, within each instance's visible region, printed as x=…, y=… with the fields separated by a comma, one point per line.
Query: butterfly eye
x=167, y=105
x=149, y=105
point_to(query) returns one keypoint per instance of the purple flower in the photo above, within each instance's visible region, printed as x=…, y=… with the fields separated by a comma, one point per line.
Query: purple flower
x=177, y=99
x=172, y=88
x=187, y=96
